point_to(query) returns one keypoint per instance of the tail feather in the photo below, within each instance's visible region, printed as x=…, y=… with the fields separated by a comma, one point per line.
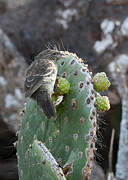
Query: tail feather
x=44, y=100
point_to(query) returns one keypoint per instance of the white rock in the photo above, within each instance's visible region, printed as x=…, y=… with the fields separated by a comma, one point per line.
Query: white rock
x=3, y=82
x=67, y=3
x=65, y=17
x=67, y=14
x=124, y=27
x=100, y=46
x=107, y=26
x=122, y=61
x=63, y=22
x=10, y=101
x=18, y=94
x=117, y=23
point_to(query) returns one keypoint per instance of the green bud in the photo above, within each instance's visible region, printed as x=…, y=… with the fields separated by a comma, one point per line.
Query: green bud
x=101, y=82
x=102, y=103
x=63, y=86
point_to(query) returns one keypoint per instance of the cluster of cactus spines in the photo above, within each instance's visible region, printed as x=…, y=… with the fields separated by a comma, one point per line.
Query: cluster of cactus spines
x=71, y=135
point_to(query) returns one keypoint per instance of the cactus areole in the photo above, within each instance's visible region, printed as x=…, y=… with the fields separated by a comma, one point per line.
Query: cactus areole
x=70, y=136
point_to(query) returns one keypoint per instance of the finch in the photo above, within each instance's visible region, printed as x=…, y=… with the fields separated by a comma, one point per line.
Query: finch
x=40, y=80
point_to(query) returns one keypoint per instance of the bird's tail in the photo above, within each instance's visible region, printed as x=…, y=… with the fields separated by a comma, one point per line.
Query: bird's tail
x=44, y=100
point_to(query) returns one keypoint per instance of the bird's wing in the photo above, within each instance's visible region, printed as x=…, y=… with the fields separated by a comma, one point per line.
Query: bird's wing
x=35, y=74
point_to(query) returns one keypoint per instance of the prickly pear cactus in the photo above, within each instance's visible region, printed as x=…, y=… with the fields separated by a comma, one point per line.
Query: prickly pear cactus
x=70, y=137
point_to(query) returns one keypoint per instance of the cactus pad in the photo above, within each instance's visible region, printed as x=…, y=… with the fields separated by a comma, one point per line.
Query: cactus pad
x=71, y=135
x=39, y=154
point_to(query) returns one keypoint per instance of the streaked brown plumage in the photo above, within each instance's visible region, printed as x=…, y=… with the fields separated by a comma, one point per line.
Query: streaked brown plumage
x=39, y=83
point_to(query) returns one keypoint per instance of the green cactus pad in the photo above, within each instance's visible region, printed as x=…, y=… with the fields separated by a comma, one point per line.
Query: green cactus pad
x=102, y=103
x=71, y=135
x=39, y=156
x=101, y=82
x=63, y=86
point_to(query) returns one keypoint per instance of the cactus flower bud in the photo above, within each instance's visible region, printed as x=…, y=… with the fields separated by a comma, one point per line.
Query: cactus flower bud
x=101, y=82
x=102, y=103
x=63, y=86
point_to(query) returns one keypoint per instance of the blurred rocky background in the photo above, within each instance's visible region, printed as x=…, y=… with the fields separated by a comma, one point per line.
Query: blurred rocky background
x=96, y=30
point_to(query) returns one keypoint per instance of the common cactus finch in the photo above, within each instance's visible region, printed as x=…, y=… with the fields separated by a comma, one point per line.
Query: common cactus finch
x=40, y=80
